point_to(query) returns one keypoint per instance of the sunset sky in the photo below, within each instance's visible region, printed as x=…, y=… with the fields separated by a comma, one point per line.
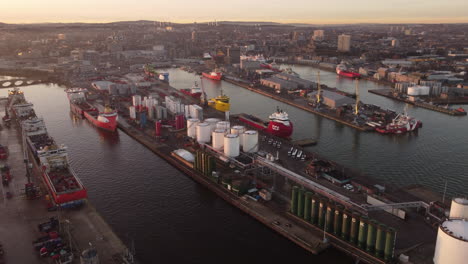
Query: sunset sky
x=303, y=11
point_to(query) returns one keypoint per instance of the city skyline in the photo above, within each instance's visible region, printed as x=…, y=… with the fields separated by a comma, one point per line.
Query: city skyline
x=297, y=11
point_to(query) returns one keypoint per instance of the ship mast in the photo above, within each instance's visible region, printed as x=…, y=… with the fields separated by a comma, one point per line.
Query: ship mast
x=356, y=109
x=319, y=90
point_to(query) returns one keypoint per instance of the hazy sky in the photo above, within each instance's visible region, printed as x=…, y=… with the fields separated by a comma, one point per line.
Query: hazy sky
x=308, y=11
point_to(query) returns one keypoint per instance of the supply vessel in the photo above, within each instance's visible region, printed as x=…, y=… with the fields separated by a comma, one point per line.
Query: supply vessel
x=79, y=105
x=342, y=70
x=195, y=91
x=63, y=184
x=401, y=124
x=214, y=75
x=278, y=124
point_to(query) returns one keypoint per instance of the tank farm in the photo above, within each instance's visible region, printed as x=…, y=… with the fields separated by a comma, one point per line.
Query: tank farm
x=299, y=196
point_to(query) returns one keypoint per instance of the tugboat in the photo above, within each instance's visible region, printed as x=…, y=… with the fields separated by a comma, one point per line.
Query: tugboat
x=278, y=125
x=401, y=124
x=195, y=91
x=220, y=103
x=215, y=75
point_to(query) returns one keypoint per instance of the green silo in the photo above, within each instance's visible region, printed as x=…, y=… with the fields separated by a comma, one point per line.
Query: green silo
x=329, y=218
x=321, y=212
x=337, y=220
x=314, y=210
x=362, y=235
x=308, y=197
x=389, y=244
x=294, y=194
x=371, y=236
x=353, y=234
x=380, y=241
x=300, y=203
x=346, y=225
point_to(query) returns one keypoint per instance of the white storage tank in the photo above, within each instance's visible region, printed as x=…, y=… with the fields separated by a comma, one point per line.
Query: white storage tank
x=452, y=243
x=424, y=90
x=250, y=141
x=192, y=127
x=231, y=145
x=459, y=209
x=238, y=130
x=218, y=139
x=223, y=125
x=212, y=122
x=203, y=132
x=136, y=100
x=132, y=111
x=413, y=91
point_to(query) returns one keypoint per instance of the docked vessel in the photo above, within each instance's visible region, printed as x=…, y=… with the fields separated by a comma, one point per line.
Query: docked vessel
x=62, y=183
x=342, y=70
x=106, y=120
x=278, y=124
x=401, y=124
x=271, y=66
x=220, y=103
x=195, y=91
x=214, y=75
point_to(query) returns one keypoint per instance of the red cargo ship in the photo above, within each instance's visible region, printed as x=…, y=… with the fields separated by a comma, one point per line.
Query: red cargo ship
x=272, y=66
x=195, y=91
x=342, y=70
x=214, y=75
x=278, y=125
x=106, y=120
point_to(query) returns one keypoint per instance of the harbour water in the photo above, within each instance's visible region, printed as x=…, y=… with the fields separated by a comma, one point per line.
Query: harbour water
x=173, y=219
x=169, y=217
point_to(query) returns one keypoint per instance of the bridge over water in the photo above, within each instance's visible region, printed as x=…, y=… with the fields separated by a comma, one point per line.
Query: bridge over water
x=19, y=82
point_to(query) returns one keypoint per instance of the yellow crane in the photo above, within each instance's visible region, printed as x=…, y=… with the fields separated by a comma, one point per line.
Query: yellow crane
x=356, y=109
x=319, y=90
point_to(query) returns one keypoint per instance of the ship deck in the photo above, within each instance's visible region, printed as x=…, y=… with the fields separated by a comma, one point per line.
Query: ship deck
x=63, y=180
x=41, y=141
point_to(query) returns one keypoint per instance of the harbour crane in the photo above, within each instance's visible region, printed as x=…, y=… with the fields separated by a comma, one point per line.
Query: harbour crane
x=356, y=108
x=319, y=89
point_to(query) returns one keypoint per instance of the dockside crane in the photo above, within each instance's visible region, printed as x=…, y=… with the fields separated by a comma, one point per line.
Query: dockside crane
x=319, y=89
x=356, y=108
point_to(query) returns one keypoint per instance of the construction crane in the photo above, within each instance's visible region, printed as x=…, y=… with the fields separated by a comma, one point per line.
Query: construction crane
x=356, y=109
x=319, y=90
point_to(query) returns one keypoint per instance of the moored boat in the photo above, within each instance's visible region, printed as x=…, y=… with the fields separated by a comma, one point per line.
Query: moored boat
x=214, y=75
x=401, y=124
x=342, y=70
x=277, y=125
x=195, y=91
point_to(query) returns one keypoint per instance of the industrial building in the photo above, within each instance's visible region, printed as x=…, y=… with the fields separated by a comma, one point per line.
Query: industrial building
x=284, y=81
x=332, y=99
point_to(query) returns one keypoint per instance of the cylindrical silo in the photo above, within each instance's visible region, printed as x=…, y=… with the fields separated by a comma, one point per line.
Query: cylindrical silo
x=337, y=219
x=212, y=122
x=238, y=130
x=308, y=197
x=300, y=203
x=231, y=145
x=380, y=241
x=346, y=225
x=203, y=132
x=452, y=242
x=294, y=195
x=322, y=212
x=218, y=139
x=354, y=230
x=314, y=210
x=362, y=234
x=459, y=209
x=329, y=218
x=224, y=125
x=389, y=244
x=371, y=236
x=192, y=127
x=250, y=141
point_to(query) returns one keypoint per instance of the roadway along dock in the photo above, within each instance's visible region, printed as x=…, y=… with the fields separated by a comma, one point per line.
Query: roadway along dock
x=388, y=93
x=20, y=216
